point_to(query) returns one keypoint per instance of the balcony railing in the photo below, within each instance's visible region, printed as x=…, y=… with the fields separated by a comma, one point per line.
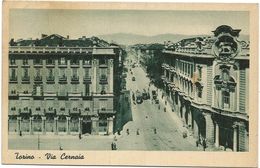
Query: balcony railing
x=37, y=63
x=74, y=94
x=74, y=64
x=63, y=80
x=104, y=65
x=25, y=79
x=87, y=79
x=50, y=79
x=105, y=111
x=41, y=49
x=74, y=79
x=13, y=65
x=50, y=64
x=87, y=64
x=103, y=80
x=62, y=65
x=13, y=79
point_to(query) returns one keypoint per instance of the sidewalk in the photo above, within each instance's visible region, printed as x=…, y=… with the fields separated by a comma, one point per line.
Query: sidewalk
x=179, y=122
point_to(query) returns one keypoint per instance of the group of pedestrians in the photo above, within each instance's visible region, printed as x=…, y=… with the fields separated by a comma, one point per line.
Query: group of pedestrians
x=201, y=141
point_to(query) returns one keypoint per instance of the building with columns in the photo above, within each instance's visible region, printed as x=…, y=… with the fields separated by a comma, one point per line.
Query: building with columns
x=62, y=86
x=206, y=79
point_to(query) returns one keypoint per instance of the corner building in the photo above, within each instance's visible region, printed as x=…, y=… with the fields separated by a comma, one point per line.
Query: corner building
x=206, y=79
x=62, y=86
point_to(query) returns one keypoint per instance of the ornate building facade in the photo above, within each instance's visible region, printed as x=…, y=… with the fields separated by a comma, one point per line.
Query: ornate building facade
x=206, y=79
x=61, y=85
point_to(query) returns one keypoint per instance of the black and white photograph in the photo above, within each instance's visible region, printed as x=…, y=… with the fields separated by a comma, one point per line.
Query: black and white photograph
x=128, y=80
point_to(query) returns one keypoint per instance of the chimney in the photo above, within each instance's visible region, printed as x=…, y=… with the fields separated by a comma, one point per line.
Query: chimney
x=68, y=37
x=44, y=35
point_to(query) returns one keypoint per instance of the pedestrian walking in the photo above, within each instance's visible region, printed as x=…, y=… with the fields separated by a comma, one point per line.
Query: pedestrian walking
x=204, y=144
x=155, y=131
x=137, y=132
x=197, y=142
x=79, y=136
x=118, y=132
x=127, y=131
x=164, y=109
x=159, y=107
x=20, y=133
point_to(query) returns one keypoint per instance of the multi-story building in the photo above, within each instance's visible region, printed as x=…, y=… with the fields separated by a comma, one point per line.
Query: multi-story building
x=206, y=79
x=58, y=85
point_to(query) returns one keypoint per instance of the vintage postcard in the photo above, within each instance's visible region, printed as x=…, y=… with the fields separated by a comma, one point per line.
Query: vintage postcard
x=148, y=84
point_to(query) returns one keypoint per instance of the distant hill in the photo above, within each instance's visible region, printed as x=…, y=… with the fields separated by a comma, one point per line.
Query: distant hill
x=131, y=39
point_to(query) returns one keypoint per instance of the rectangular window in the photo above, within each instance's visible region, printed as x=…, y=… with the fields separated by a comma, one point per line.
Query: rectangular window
x=37, y=61
x=62, y=73
x=38, y=72
x=25, y=62
x=102, y=105
x=13, y=73
x=51, y=72
x=74, y=62
x=12, y=61
x=49, y=62
x=199, y=92
x=102, y=61
x=103, y=89
x=74, y=72
x=103, y=73
x=86, y=72
x=226, y=99
x=25, y=72
x=87, y=89
x=63, y=61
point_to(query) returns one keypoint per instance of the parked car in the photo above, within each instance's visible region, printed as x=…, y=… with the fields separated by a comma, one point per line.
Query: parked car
x=145, y=95
x=139, y=98
x=124, y=75
x=133, y=78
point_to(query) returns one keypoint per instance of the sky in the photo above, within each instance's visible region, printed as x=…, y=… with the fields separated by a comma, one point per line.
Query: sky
x=31, y=23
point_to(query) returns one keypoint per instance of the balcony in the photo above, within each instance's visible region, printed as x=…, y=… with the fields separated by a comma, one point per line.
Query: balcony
x=37, y=64
x=106, y=111
x=103, y=65
x=25, y=79
x=50, y=94
x=37, y=79
x=63, y=80
x=50, y=64
x=87, y=79
x=25, y=110
x=25, y=65
x=50, y=110
x=75, y=80
x=13, y=79
x=50, y=79
x=25, y=94
x=87, y=64
x=74, y=64
x=62, y=65
x=39, y=49
x=13, y=65
x=103, y=80
x=74, y=94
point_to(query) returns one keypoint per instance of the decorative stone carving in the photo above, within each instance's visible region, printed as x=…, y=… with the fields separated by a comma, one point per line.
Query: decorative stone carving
x=226, y=47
